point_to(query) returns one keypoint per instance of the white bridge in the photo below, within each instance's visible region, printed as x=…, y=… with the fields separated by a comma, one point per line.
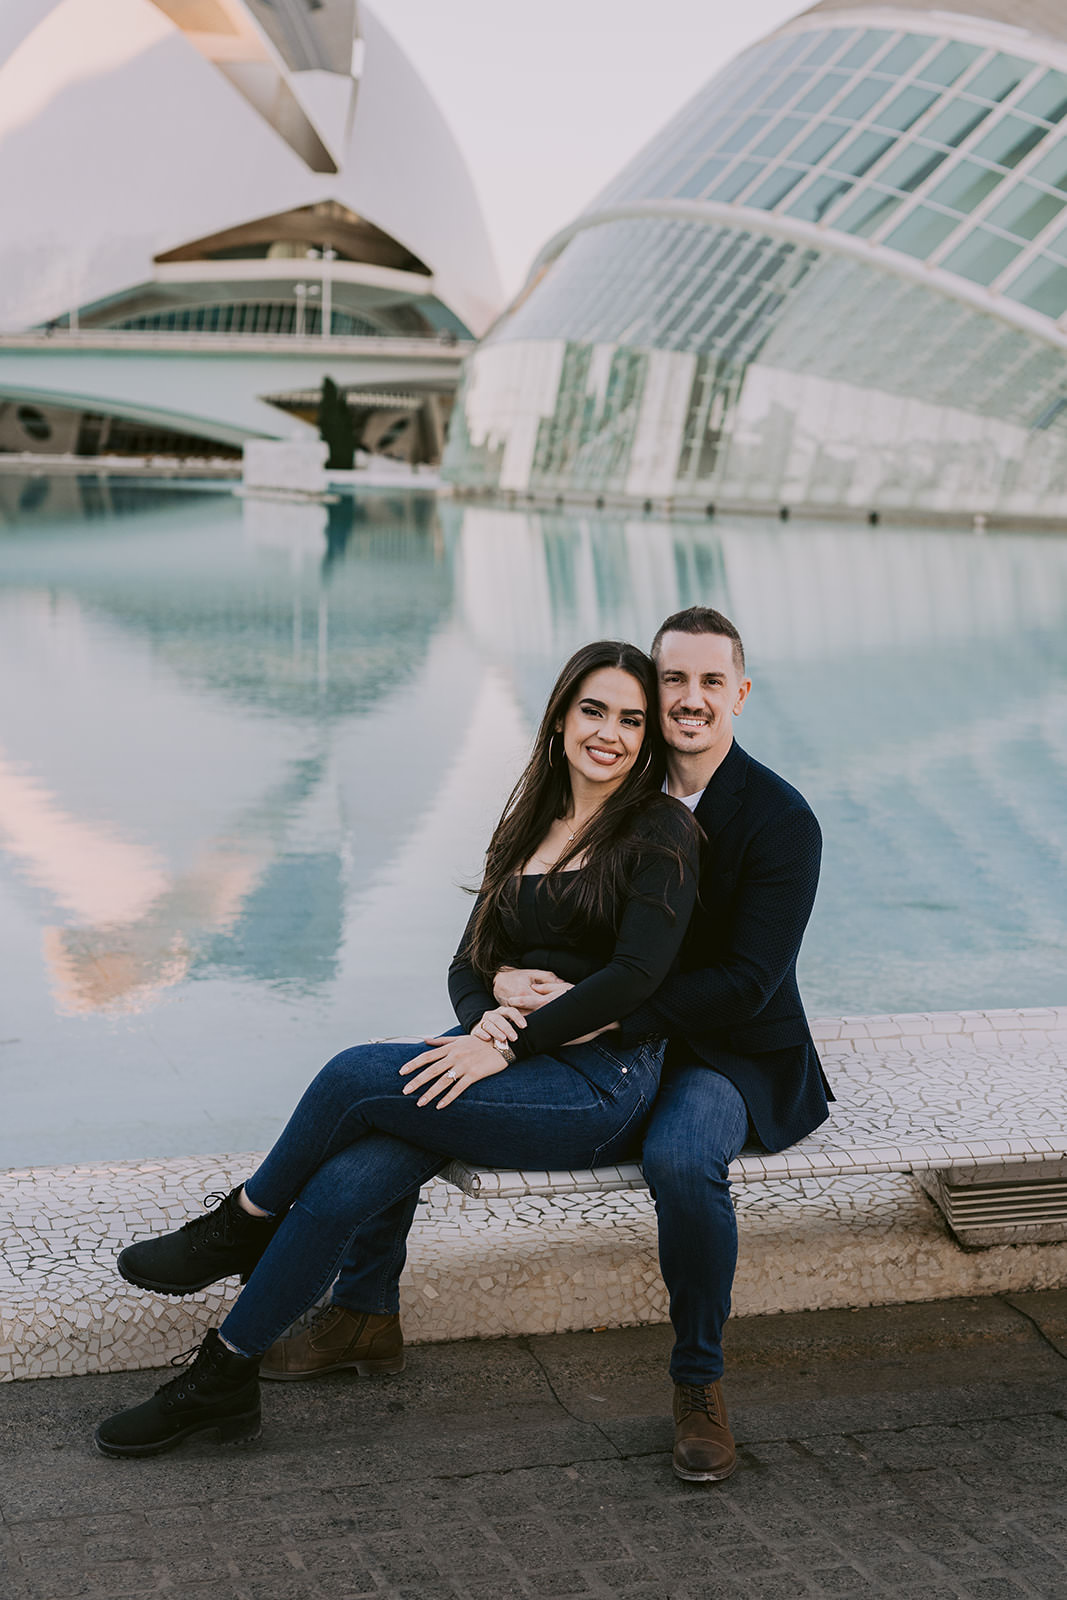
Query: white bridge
x=216, y=386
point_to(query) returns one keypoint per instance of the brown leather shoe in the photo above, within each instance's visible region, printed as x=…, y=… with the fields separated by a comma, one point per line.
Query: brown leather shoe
x=335, y=1340
x=704, y=1449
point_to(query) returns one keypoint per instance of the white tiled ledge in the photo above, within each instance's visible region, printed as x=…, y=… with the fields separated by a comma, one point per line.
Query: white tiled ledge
x=491, y=1266
x=925, y=1030
x=914, y=1093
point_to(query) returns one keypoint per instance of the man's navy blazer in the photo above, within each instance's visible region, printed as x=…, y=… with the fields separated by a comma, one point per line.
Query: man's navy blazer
x=734, y=1002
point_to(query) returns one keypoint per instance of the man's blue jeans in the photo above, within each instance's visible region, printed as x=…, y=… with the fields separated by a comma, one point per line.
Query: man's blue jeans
x=348, y=1160
x=698, y=1126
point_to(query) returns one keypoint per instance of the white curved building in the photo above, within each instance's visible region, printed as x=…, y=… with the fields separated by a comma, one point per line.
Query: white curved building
x=838, y=277
x=229, y=167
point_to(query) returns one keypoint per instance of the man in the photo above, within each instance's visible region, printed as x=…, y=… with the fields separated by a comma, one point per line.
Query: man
x=740, y=1056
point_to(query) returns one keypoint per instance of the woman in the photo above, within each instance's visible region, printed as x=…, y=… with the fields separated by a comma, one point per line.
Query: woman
x=593, y=871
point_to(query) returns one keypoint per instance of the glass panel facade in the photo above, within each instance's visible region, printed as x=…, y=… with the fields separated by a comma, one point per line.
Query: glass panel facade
x=867, y=214
x=817, y=199
x=1057, y=245
x=860, y=154
x=1027, y=211
x=767, y=194
x=702, y=178
x=736, y=179
x=867, y=93
x=743, y=134
x=904, y=54
x=905, y=108
x=251, y=317
x=864, y=48
x=822, y=92
x=1052, y=169
x=912, y=167
x=1047, y=99
x=781, y=134
x=717, y=364
x=893, y=107
x=819, y=142
x=1010, y=141
x=950, y=63
x=1042, y=287
x=982, y=256
x=946, y=151
x=966, y=186
x=956, y=122
x=999, y=77
x=921, y=231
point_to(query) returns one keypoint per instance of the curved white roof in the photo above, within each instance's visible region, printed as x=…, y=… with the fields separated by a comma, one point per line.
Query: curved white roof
x=1036, y=16
x=121, y=140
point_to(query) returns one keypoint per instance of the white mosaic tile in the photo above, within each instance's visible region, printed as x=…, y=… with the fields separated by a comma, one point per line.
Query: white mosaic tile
x=906, y=1102
x=833, y=1222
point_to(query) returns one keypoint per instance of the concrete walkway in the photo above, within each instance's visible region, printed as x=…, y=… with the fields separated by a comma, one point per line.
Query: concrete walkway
x=915, y=1451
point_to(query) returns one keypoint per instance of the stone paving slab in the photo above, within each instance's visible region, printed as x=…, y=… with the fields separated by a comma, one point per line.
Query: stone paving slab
x=903, y=1452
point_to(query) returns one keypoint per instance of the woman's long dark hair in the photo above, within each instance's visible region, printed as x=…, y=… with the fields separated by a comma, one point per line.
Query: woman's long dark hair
x=543, y=794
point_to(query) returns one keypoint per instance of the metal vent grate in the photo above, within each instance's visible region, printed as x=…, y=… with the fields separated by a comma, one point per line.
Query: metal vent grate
x=1020, y=1208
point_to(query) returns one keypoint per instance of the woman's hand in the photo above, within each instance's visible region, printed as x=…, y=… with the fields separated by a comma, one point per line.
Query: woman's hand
x=452, y=1065
x=501, y=1024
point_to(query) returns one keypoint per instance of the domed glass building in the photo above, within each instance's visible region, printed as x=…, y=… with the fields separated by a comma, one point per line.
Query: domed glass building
x=837, y=279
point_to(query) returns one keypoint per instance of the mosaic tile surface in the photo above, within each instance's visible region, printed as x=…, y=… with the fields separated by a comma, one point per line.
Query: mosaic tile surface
x=826, y=1234
x=914, y=1093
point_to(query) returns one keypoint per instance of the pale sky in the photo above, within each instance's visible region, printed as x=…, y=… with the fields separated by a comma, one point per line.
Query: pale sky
x=549, y=100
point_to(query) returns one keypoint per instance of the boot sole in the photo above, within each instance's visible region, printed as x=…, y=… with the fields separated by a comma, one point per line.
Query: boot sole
x=230, y=1430
x=703, y=1477
x=365, y=1369
x=174, y=1288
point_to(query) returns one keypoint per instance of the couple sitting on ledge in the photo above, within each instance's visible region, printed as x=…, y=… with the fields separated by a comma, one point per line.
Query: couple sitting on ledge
x=626, y=989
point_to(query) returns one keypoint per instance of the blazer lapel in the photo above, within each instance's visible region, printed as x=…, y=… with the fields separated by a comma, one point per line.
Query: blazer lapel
x=722, y=797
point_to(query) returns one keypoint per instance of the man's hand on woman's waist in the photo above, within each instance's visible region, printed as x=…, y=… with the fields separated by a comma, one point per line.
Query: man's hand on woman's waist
x=528, y=988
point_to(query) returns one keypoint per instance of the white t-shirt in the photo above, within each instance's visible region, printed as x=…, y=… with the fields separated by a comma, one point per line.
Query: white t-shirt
x=690, y=800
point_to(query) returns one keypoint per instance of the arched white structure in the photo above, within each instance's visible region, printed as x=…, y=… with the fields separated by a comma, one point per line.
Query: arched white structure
x=131, y=130
x=838, y=277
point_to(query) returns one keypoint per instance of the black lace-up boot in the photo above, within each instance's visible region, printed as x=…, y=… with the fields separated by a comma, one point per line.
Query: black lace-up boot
x=225, y=1242
x=704, y=1449
x=218, y=1392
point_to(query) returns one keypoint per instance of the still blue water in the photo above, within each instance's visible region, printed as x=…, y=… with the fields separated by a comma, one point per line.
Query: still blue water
x=251, y=751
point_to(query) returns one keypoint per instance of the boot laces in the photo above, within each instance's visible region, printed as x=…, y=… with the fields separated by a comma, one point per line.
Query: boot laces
x=216, y=1227
x=700, y=1397
x=176, y=1390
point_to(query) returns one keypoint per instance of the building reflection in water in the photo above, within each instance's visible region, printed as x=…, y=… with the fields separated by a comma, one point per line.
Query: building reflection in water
x=249, y=750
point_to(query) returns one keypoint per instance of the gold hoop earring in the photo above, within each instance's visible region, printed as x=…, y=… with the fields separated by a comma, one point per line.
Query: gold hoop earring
x=551, y=742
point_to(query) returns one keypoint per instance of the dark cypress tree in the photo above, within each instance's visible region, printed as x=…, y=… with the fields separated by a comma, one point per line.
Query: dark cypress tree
x=336, y=427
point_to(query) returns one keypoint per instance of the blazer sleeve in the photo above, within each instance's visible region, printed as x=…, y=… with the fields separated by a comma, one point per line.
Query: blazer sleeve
x=779, y=876
x=651, y=929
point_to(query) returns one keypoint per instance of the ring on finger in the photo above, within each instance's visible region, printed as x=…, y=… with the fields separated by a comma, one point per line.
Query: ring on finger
x=451, y=1076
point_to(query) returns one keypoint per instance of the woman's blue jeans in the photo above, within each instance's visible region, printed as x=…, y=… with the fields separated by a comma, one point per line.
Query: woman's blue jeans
x=356, y=1147
x=698, y=1126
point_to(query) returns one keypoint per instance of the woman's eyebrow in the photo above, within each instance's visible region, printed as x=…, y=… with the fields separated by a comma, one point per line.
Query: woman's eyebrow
x=587, y=700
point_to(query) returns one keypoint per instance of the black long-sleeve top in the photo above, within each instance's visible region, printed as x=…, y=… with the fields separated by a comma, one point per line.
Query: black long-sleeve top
x=613, y=972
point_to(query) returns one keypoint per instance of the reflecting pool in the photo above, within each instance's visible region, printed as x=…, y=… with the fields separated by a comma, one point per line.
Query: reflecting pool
x=250, y=754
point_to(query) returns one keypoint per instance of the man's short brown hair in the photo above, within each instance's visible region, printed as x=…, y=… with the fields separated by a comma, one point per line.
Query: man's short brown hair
x=702, y=619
